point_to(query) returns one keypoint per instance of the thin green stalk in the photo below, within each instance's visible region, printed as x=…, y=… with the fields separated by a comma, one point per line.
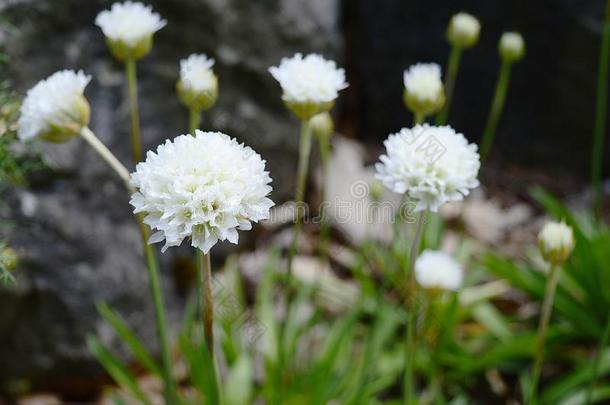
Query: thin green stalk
x=107, y=156
x=418, y=118
x=207, y=300
x=299, y=197
x=324, y=224
x=453, y=66
x=411, y=306
x=155, y=288
x=595, y=367
x=152, y=265
x=302, y=170
x=194, y=120
x=547, y=307
x=132, y=90
x=497, y=106
x=600, y=115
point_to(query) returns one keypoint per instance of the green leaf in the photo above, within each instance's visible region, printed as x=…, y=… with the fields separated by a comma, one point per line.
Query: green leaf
x=238, y=387
x=116, y=370
x=6, y=277
x=129, y=338
x=580, y=377
x=492, y=319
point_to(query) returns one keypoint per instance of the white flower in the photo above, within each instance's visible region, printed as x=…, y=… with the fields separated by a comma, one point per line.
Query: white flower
x=556, y=242
x=204, y=187
x=432, y=165
x=129, y=22
x=198, y=85
x=196, y=73
x=55, y=108
x=312, y=81
x=511, y=47
x=424, y=91
x=463, y=30
x=435, y=269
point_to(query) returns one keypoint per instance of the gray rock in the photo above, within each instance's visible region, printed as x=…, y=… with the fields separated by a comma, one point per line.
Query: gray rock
x=73, y=229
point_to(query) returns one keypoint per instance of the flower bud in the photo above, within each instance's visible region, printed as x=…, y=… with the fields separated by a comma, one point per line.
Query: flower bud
x=71, y=125
x=511, y=47
x=129, y=28
x=310, y=84
x=306, y=110
x=55, y=110
x=556, y=242
x=198, y=85
x=424, y=91
x=463, y=30
x=322, y=125
x=123, y=51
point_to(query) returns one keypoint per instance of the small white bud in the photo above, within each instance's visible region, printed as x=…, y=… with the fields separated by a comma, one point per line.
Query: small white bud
x=129, y=29
x=556, y=242
x=438, y=270
x=322, y=125
x=424, y=91
x=55, y=110
x=463, y=30
x=511, y=47
x=198, y=85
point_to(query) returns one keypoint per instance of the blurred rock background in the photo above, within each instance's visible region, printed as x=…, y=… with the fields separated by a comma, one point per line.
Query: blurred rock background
x=73, y=227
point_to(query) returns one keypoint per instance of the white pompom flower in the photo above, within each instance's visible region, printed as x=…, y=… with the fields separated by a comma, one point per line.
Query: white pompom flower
x=129, y=28
x=463, y=30
x=204, y=187
x=310, y=84
x=432, y=165
x=438, y=270
x=55, y=109
x=556, y=242
x=424, y=91
x=198, y=85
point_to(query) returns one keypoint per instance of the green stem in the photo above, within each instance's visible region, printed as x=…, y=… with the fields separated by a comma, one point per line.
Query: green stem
x=595, y=367
x=411, y=306
x=324, y=224
x=418, y=118
x=547, y=307
x=194, y=120
x=205, y=269
x=299, y=197
x=107, y=155
x=132, y=90
x=600, y=115
x=155, y=288
x=455, y=55
x=152, y=265
x=497, y=106
x=302, y=170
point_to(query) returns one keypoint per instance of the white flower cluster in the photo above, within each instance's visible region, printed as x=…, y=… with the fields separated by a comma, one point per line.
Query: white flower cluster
x=556, y=241
x=312, y=79
x=54, y=105
x=423, y=82
x=129, y=22
x=432, y=165
x=463, y=30
x=196, y=73
x=435, y=269
x=205, y=187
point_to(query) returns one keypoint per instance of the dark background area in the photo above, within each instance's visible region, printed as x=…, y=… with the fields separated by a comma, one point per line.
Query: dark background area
x=70, y=223
x=549, y=112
